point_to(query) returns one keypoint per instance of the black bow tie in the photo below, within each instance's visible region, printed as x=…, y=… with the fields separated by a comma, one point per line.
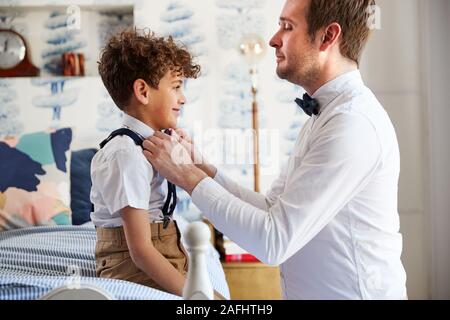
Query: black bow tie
x=309, y=105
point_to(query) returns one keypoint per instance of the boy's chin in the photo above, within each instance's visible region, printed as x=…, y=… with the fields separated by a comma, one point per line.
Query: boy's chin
x=171, y=124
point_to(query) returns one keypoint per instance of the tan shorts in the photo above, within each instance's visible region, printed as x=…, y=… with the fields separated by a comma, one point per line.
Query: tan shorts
x=113, y=258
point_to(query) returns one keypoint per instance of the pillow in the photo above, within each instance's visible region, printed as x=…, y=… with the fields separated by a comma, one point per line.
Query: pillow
x=80, y=185
x=34, y=179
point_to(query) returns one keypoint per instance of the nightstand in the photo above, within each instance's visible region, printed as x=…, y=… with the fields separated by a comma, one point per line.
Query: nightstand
x=252, y=281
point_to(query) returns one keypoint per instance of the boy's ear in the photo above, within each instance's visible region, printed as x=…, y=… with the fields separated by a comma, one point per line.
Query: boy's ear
x=141, y=91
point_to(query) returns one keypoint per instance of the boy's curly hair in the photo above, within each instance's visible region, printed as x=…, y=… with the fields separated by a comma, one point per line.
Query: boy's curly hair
x=138, y=54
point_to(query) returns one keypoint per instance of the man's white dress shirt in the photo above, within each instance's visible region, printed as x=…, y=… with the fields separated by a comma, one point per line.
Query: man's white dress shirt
x=122, y=176
x=330, y=220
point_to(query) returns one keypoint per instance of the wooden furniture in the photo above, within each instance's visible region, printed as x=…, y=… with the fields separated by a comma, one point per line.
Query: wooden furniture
x=252, y=281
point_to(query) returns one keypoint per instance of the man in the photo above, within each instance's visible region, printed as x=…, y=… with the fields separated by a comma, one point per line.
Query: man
x=330, y=220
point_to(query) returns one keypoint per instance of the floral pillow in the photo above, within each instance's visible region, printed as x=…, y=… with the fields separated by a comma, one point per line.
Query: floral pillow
x=34, y=179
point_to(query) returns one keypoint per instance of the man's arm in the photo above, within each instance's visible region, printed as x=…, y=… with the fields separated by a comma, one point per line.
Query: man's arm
x=256, y=199
x=340, y=162
x=207, y=168
x=145, y=255
x=173, y=160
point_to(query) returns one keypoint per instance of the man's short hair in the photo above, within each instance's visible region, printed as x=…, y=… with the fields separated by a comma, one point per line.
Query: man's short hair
x=352, y=15
x=138, y=54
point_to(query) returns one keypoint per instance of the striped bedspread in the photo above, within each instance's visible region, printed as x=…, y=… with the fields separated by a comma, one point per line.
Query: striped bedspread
x=35, y=260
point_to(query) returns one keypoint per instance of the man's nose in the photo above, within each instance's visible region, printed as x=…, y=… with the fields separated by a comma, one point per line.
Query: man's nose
x=275, y=42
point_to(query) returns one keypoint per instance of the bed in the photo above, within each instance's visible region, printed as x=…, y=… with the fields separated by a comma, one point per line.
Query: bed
x=36, y=260
x=40, y=250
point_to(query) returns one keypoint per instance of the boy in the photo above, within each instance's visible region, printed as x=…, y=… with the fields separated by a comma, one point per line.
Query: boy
x=137, y=239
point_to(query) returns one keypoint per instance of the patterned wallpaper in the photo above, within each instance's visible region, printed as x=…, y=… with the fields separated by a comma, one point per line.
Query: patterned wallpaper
x=218, y=112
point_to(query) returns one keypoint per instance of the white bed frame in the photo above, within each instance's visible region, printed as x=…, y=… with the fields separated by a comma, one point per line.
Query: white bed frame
x=79, y=292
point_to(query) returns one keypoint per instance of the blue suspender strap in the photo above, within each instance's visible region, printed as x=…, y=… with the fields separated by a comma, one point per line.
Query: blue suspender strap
x=168, y=211
x=171, y=196
x=123, y=132
x=168, y=208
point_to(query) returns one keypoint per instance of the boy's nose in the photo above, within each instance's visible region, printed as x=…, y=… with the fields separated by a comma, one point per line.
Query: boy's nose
x=182, y=100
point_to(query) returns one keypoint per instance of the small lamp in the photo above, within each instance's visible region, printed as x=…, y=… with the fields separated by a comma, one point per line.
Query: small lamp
x=253, y=49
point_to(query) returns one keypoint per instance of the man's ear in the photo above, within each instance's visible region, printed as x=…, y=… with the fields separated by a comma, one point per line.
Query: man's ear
x=331, y=36
x=141, y=91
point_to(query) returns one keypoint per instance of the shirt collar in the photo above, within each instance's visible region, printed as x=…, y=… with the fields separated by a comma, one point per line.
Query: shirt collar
x=332, y=89
x=137, y=126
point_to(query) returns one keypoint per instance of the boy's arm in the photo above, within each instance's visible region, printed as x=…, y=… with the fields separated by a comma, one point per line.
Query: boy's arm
x=145, y=255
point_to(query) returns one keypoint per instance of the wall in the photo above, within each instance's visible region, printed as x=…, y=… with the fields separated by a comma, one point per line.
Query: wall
x=218, y=112
x=406, y=65
x=219, y=102
x=436, y=39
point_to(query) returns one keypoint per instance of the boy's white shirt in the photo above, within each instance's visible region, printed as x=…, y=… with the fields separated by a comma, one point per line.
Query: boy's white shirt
x=122, y=176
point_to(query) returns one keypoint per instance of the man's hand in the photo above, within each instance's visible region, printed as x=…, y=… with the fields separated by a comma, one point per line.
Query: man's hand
x=170, y=158
x=195, y=154
x=181, y=136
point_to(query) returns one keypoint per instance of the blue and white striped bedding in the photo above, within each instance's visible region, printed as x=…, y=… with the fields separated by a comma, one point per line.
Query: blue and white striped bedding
x=35, y=260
